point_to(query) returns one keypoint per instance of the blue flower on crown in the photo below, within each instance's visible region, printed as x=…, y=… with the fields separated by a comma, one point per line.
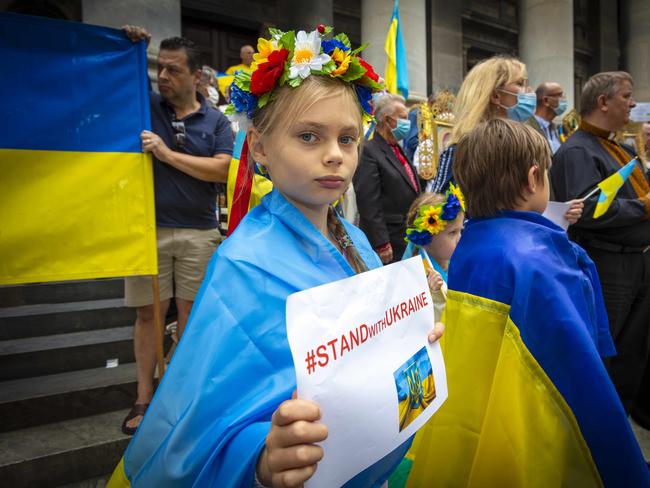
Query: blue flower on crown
x=243, y=101
x=451, y=208
x=329, y=45
x=364, y=94
x=419, y=238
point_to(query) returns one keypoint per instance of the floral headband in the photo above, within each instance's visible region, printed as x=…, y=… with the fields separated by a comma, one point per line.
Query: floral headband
x=432, y=219
x=288, y=58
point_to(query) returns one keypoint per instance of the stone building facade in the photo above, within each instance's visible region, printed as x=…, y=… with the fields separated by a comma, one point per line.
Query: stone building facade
x=561, y=40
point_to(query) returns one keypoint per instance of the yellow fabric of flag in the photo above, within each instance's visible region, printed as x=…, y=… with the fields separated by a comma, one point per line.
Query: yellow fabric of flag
x=391, y=53
x=69, y=215
x=467, y=443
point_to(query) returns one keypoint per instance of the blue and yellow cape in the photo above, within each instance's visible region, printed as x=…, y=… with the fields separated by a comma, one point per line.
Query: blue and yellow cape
x=233, y=367
x=530, y=402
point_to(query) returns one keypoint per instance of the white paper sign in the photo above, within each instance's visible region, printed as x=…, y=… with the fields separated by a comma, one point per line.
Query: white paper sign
x=361, y=352
x=555, y=213
x=640, y=113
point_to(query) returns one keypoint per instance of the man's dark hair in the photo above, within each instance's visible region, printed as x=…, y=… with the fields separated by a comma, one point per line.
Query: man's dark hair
x=176, y=43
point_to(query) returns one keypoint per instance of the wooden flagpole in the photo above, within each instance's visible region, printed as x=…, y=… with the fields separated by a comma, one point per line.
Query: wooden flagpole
x=159, y=326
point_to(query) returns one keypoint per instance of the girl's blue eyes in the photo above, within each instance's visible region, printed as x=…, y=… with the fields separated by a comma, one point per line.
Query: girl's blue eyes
x=309, y=137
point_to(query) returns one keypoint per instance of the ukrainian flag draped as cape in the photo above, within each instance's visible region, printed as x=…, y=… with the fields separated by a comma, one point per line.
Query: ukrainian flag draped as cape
x=233, y=367
x=530, y=402
x=77, y=197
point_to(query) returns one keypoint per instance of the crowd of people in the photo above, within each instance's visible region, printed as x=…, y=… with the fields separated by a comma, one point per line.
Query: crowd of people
x=305, y=122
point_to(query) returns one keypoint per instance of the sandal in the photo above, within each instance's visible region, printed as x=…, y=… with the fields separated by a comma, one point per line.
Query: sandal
x=138, y=409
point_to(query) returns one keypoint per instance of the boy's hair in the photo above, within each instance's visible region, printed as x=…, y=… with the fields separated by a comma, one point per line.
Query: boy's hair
x=473, y=101
x=177, y=43
x=492, y=163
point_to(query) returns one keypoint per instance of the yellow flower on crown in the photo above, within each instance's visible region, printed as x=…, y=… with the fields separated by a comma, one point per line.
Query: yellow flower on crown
x=342, y=60
x=454, y=190
x=264, y=47
x=430, y=219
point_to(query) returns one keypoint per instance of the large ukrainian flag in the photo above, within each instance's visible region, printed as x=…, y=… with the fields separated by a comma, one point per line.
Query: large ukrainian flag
x=530, y=402
x=76, y=190
x=397, y=75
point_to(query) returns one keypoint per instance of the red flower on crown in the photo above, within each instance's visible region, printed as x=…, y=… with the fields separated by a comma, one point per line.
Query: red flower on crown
x=370, y=73
x=266, y=75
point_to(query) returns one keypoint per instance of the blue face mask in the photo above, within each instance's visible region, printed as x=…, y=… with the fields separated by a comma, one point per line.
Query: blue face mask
x=561, y=107
x=402, y=129
x=524, y=108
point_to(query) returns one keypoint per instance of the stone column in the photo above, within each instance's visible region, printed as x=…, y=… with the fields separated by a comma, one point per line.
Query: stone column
x=635, y=16
x=375, y=19
x=301, y=15
x=446, y=45
x=162, y=18
x=546, y=42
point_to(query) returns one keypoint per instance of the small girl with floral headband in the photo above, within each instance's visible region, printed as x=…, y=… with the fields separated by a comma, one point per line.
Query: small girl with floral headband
x=225, y=413
x=434, y=224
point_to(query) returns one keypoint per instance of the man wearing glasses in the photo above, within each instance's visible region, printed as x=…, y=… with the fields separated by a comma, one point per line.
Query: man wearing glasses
x=191, y=144
x=551, y=103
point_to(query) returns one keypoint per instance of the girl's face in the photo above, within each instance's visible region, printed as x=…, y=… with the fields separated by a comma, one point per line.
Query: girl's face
x=442, y=245
x=311, y=160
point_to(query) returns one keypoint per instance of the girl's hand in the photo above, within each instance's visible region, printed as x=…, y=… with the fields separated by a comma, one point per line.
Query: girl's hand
x=435, y=281
x=575, y=211
x=436, y=332
x=290, y=456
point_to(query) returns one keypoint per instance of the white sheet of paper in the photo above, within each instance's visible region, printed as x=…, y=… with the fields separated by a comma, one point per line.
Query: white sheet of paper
x=555, y=213
x=640, y=113
x=351, y=363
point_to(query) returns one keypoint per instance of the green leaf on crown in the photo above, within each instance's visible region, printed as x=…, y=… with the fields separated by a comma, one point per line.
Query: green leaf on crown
x=243, y=80
x=294, y=82
x=288, y=41
x=275, y=33
x=263, y=100
x=355, y=70
x=359, y=49
x=344, y=39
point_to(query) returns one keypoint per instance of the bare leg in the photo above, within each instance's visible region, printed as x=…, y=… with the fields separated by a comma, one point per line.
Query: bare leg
x=144, y=345
x=184, y=308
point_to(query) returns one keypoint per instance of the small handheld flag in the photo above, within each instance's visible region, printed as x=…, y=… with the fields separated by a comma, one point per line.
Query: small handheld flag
x=397, y=76
x=609, y=187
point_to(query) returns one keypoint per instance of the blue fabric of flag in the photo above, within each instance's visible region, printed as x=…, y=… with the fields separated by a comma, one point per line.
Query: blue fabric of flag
x=66, y=107
x=233, y=367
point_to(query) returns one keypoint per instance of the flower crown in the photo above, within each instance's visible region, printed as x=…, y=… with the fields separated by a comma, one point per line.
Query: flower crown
x=288, y=58
x=432, y=219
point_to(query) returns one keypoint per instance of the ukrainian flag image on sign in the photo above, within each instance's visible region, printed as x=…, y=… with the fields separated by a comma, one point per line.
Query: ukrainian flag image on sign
x=416, y=388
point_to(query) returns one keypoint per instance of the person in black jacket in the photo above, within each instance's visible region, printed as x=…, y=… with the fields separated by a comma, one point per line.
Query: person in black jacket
x=619, y=240
x=386, y=183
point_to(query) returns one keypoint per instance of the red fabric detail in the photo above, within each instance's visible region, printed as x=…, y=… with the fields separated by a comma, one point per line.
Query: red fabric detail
x=266, y=75
x=242, y=192
x=370, y=73
x=407, y=166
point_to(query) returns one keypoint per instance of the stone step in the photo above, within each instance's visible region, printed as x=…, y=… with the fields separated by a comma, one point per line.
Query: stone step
x=61, y=318
x=61, y=291
x=28, y=402
x=52, y=354
x=62, y=452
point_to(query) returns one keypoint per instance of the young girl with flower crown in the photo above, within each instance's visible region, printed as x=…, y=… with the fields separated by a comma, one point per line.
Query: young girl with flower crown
x=434, y=224
x=225, y=413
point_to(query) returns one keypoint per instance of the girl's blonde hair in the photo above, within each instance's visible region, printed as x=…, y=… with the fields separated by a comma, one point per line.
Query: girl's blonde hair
x=285, y=107
x=473, y=101
x=289, y=103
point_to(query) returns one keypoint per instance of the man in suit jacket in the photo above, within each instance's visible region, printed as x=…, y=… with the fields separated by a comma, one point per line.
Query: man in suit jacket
x=386, y=183
x=551, y=103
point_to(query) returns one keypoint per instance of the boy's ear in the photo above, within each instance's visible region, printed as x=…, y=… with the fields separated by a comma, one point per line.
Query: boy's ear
x=256, y=146
x=533, y=184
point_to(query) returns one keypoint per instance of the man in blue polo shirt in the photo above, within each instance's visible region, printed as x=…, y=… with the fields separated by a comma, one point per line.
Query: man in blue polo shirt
x=191, y=144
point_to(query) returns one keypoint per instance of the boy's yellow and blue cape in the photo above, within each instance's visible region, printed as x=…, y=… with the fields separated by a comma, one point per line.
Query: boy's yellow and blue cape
x=76, y=190
x=530, y=402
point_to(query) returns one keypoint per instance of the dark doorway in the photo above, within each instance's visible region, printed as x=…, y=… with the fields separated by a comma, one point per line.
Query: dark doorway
x=219, y=43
